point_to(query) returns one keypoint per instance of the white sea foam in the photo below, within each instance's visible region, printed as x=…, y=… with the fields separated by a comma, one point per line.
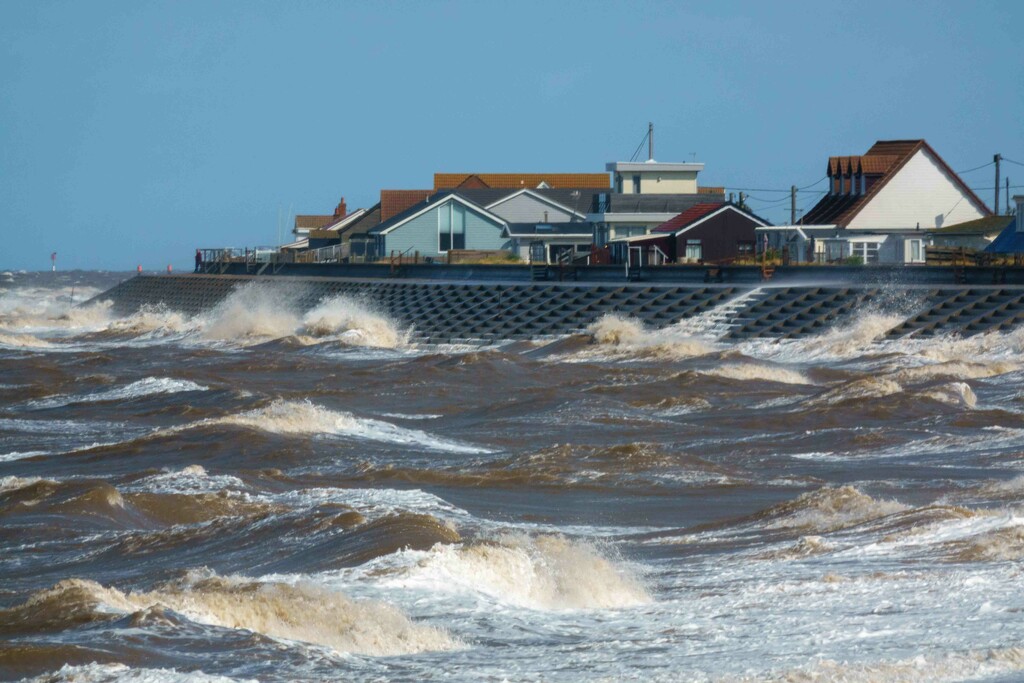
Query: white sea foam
x=305, y=612
x=305, y=417
x=618, y=336
x=541, y=572
x=148, y=386
x=251, y=314
x=932, y=668
x=345, y=319
x=120, y=673
x=23, y=341
x=758, y=371
x=20, y=455
x=11, y=482
x=954, y=393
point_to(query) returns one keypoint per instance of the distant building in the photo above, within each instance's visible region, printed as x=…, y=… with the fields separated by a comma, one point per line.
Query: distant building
x=487, y=219
x=644, y=195
x=518, y=181
x=713, y=232
x=977, y=234
x=305, y=223
x=880, y=206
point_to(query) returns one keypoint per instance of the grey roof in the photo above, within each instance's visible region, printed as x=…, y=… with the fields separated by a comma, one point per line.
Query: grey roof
x=650, y=203
x=365, y=222
x=541, y=229
x=580, y=202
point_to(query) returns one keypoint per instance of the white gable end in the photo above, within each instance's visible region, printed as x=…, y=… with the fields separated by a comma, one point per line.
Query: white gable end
x=921, y=192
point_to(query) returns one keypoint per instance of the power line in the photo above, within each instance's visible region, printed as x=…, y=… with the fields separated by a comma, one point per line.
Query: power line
x=976, y=168
x=1012, y=161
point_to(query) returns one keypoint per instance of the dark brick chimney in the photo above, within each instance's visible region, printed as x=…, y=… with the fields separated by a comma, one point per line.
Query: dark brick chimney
x=341, y=210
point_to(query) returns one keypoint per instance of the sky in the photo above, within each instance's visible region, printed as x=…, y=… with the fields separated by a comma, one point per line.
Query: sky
x=133, y=132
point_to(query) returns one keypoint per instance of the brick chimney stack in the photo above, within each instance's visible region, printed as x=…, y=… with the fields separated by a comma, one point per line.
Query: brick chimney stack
x=341, y=210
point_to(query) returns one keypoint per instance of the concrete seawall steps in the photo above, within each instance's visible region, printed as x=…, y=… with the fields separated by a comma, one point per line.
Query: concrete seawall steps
x=482, y=312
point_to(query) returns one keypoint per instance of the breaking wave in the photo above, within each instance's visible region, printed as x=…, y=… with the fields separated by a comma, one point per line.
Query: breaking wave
x=628, y=337
x=148, y=386
x=254, y=314
x=305, y=417
x=23, y=341
x=544, y=572
x=251, y=313
x=756, y=371
x=828, y=509
x=305, y=612
x=344, y=319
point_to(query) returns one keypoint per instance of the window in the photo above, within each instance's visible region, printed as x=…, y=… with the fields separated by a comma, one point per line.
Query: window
x=618, y=183
x=868, y=251
x=629, y=230
x=636, y=184
x=694, y=250
x=915, y=250
x=745, y=248
x=451, y=227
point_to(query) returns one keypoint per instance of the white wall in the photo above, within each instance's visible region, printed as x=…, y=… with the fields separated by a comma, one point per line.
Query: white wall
x=921, y=192
x=672, y=182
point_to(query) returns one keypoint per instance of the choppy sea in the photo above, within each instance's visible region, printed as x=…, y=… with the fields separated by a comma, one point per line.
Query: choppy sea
x=259, y=493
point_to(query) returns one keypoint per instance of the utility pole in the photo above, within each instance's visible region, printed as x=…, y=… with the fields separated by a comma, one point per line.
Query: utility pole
x=650, y=142
x=792, y=205
x=995, y=207
x=1007, y=195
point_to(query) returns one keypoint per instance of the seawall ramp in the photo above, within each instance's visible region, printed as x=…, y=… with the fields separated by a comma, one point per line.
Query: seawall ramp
x=445, y=312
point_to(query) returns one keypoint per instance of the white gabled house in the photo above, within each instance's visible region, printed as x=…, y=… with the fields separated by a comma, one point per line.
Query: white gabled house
x=880, y=207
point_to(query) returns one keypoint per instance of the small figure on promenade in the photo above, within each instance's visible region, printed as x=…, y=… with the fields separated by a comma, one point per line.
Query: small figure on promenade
x=199, y=260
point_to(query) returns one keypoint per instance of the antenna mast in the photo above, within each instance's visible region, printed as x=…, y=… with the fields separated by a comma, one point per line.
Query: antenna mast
x=650, y=141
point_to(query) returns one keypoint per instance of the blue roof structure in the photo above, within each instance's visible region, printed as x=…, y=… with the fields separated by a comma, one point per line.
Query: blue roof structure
x=1009, y=241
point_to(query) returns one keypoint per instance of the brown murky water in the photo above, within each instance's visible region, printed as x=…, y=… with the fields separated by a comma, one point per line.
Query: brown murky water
x=256, y=493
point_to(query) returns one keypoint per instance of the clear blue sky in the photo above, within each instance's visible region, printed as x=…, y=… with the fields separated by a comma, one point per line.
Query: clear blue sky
x=132, y=132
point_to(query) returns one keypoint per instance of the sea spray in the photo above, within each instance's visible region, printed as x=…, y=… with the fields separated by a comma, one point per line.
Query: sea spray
x=623, y=337
x=252, y=312
x=348, y=320
x=549, y=572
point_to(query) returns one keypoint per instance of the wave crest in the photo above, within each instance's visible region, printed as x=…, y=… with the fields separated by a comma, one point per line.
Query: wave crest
x=304, y=612
x=544, y=572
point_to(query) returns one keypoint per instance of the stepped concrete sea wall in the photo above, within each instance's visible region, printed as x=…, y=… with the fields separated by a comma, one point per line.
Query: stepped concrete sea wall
x=443, y=312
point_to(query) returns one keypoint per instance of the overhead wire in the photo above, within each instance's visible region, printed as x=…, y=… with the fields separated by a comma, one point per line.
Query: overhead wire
x=976, y=168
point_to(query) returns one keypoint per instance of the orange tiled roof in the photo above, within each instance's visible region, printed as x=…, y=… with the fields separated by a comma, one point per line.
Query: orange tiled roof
x=451, y=181
x=394, y=202
x=313, y=222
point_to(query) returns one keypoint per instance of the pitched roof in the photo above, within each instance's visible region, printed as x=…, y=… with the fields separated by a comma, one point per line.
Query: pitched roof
x=394, y=202
x=368, y=220
x=979, y=226
x=578, y=200
x=695, y=212
x=313, y=222
x=437, y=197
x=882, y=162
x=519, y=181
x=553, y=229
x=698, y=212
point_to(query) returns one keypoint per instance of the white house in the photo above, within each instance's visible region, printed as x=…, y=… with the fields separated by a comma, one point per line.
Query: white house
x=881, y=205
